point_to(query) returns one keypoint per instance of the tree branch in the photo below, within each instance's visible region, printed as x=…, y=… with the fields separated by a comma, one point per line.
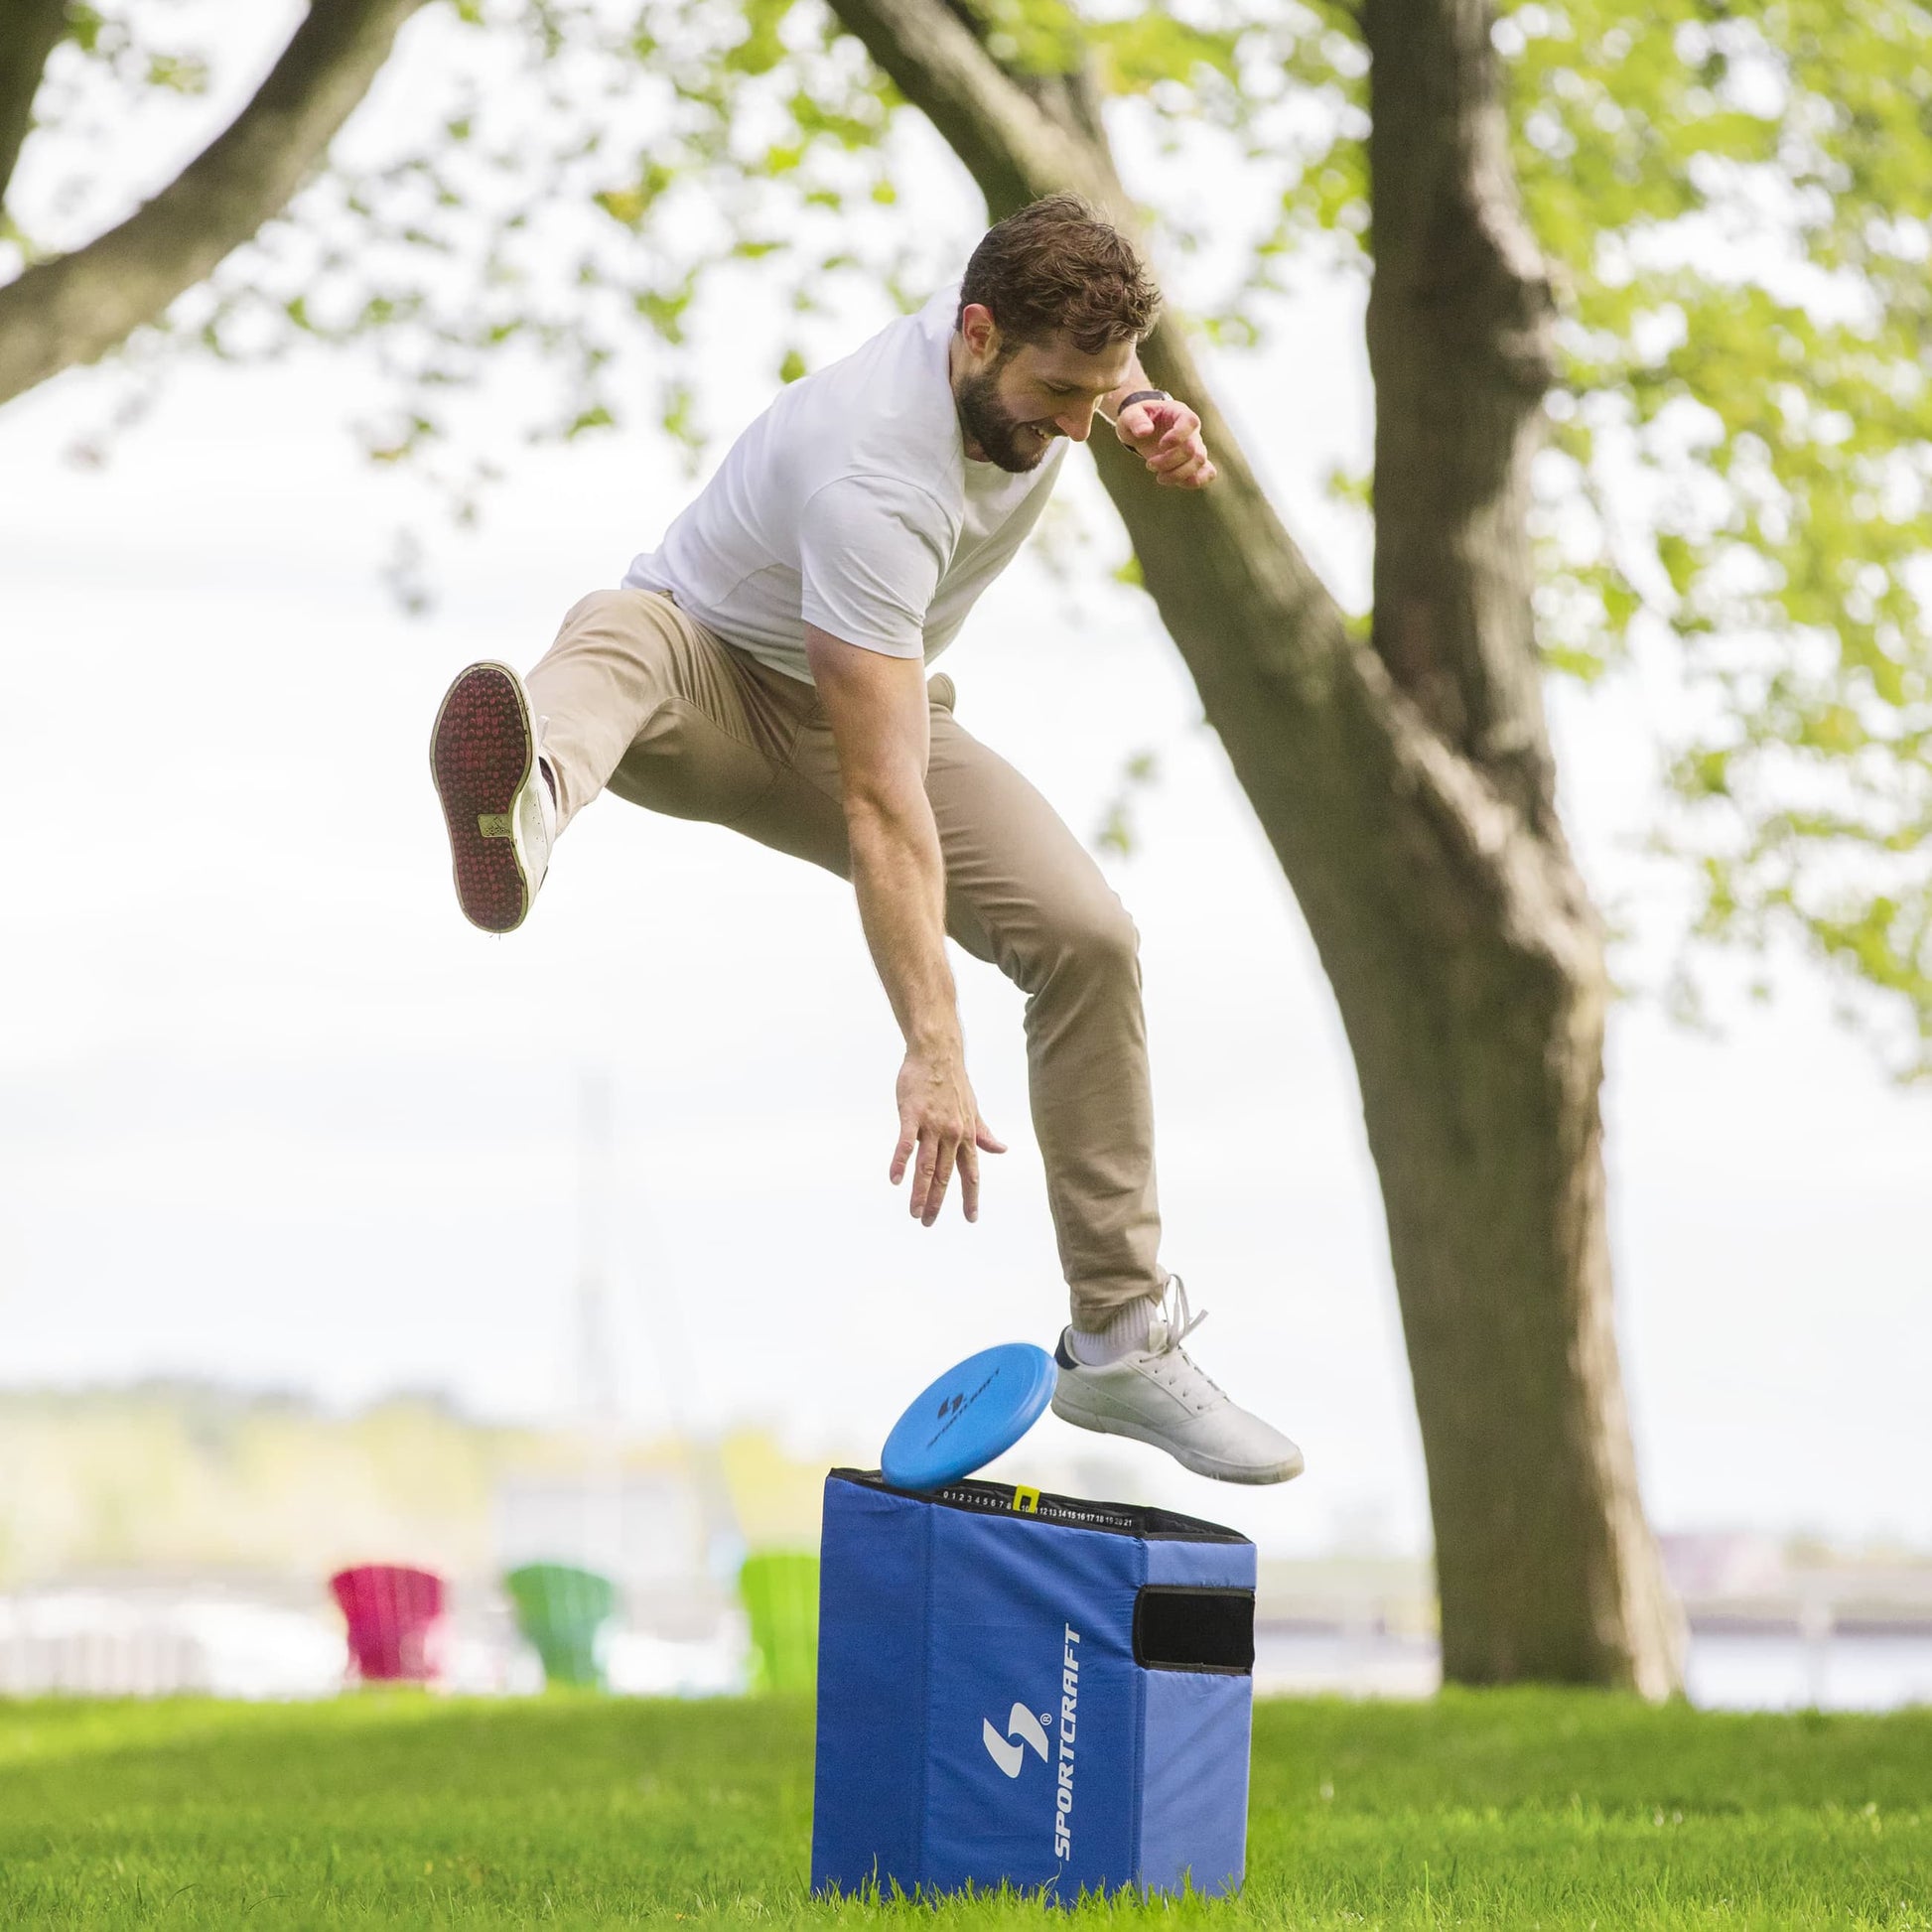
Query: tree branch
x=30, y=30
x=78, y=307
x=1014, y=149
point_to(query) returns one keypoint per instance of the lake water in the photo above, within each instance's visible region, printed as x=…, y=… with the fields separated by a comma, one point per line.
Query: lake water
x=136, y=1643
x=1723, y=1671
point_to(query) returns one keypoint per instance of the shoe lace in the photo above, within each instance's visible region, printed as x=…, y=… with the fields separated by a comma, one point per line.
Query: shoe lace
x=1177, y=1315
x=1178, y=1320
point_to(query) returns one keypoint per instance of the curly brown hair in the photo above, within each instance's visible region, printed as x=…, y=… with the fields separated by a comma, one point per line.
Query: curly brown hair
x=1055, y=266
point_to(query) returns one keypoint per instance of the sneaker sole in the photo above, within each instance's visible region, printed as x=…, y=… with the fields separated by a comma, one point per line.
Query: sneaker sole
x=480, y=756
x=1202, y=1466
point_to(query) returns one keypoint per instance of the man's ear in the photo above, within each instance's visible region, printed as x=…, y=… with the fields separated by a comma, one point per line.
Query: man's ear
x=978, y=329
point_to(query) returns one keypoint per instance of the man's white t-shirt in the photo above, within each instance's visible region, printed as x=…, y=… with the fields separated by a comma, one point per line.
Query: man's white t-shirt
x=851, y=504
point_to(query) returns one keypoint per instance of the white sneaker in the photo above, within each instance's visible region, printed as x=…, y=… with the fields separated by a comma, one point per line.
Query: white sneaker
x=496, y=802
x=1156, y=1395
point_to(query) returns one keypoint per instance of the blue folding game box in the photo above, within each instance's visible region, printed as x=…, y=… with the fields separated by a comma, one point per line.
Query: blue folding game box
x=1025, y=1688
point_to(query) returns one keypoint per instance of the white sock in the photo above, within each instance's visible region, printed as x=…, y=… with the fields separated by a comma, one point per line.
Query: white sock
x=1125, y=1334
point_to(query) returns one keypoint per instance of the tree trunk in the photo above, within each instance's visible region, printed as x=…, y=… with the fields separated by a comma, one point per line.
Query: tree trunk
x=1481, y=1050
x=1406, y=786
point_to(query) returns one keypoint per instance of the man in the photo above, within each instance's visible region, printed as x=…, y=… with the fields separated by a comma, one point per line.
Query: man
x=764, y=669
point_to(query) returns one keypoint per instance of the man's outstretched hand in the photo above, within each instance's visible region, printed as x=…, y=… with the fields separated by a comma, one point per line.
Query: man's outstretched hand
x=1166, y=435
x=939, y=1122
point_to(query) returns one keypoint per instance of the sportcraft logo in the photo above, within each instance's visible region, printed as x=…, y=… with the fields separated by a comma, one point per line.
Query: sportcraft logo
x=1027, y=1732
x=1069, y=1707
x=1023, y=1730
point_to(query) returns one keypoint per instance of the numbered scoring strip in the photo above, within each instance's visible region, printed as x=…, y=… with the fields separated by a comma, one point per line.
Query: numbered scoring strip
x=1069, y=1512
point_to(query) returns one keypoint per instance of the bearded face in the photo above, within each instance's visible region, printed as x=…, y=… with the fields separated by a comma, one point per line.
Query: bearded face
x=991, y=421
x=1012, y=398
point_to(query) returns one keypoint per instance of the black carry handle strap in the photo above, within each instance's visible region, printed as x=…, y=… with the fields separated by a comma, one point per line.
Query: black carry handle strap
x=1197, y=1627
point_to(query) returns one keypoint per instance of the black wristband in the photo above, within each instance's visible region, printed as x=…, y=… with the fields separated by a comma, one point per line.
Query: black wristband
x=1141, y=396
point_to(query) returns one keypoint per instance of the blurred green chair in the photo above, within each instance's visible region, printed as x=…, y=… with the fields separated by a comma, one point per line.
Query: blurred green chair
x=561, y=1610
x=779, y=1592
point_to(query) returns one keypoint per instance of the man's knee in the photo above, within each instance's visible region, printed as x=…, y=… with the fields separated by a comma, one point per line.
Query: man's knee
x=602, y=611
x=1089, y=935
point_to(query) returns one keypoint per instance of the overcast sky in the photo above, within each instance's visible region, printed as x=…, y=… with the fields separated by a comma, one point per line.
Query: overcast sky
x=271, y=1112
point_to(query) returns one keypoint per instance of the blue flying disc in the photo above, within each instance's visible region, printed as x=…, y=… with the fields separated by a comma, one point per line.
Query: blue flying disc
x=966, y=1417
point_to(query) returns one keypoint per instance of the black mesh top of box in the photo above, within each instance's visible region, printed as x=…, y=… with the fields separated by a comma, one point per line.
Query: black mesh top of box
x=1069, y=1512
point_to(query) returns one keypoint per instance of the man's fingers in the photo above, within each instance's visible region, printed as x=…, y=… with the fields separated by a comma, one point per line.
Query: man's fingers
x=969, y=1180
x=1192, y=476
x=940, y=1134
x=922, y=1165
x=936, y=1193
x=1175, y=421
x=1180, y=460
x=907, y=1139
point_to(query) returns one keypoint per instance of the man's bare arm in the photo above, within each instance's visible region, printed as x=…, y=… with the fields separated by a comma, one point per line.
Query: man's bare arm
x=876, y=708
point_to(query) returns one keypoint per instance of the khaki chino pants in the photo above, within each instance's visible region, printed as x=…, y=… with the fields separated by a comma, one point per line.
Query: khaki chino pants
x=646, y=702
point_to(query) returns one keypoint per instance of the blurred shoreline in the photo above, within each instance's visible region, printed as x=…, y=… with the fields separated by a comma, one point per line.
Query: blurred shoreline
x=174, y=1537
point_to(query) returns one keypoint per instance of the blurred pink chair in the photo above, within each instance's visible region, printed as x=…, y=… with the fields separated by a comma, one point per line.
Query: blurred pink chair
x=395, y=1621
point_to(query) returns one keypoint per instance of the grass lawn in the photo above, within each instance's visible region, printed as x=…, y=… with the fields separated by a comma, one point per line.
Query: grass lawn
x=1557, y=1810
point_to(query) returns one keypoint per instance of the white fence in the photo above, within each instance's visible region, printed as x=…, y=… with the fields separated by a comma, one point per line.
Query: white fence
x=156, y=1641
x=110, y=1643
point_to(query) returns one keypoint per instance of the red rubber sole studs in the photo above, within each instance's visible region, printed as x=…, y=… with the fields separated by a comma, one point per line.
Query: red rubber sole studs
x=480, y=758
